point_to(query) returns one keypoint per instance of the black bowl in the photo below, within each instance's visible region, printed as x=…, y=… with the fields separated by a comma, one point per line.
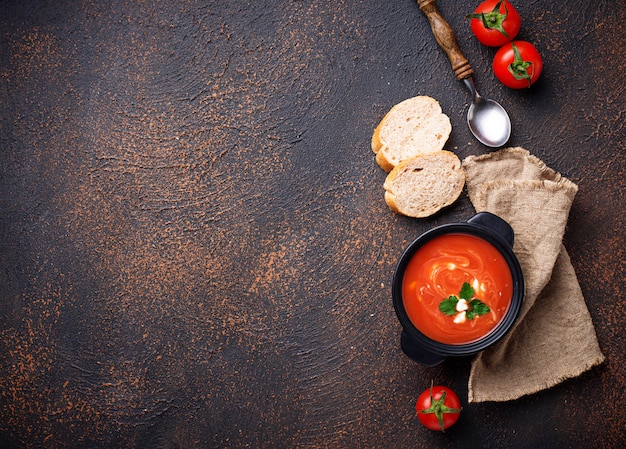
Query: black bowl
x=429, y=352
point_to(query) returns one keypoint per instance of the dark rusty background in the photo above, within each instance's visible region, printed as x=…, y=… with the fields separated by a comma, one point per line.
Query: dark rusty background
x=194, y=247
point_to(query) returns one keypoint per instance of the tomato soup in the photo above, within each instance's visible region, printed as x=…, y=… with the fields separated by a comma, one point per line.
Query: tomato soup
x=438, y=271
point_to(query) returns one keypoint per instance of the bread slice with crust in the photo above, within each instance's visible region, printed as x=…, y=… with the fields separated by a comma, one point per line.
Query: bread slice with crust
x=414, y=126
x=420, y=186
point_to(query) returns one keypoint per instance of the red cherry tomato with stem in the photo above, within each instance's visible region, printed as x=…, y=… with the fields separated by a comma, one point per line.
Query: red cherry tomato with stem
x=438, y=407
x=517, y=64
x=495, y=22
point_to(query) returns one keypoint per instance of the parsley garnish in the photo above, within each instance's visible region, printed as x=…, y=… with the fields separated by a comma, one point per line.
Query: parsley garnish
x=448, y=306
x=475, y=307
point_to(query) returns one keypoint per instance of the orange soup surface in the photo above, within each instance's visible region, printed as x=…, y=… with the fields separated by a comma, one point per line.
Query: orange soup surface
x=439, y=269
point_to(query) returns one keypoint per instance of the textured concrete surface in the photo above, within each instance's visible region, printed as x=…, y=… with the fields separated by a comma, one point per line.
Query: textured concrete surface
x=194, y=247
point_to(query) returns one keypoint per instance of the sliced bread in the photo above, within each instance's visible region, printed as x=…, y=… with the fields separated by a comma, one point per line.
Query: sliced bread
x=420, y=186
x=415, y=126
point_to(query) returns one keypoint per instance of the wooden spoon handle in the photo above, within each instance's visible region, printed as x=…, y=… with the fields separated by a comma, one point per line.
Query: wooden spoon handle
x=446, y=39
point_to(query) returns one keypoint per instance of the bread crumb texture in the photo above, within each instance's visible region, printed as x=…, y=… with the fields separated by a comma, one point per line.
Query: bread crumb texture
x=423, y=185
x=412, y=127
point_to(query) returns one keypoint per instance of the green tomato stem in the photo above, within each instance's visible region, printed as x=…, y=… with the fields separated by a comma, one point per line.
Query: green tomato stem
x=519, y=68
x=493, y=20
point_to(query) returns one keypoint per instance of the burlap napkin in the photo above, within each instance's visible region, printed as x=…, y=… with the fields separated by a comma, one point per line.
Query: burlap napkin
x=553, y=338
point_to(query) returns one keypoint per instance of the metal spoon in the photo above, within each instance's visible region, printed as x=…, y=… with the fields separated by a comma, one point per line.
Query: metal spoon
x=487, y=120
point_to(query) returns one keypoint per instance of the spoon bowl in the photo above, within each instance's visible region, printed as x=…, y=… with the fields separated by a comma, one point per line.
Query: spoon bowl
x=487, y=119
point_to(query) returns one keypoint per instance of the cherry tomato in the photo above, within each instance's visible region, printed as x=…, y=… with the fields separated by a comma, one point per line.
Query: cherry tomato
x=438, y=407
x=517, y=64
x=495, y=22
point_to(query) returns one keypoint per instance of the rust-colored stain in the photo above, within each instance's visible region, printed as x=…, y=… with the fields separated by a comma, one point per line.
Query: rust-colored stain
x=194, y=247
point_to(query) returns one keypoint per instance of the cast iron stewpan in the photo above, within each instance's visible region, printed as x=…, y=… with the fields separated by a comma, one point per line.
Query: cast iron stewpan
x=499, y=234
